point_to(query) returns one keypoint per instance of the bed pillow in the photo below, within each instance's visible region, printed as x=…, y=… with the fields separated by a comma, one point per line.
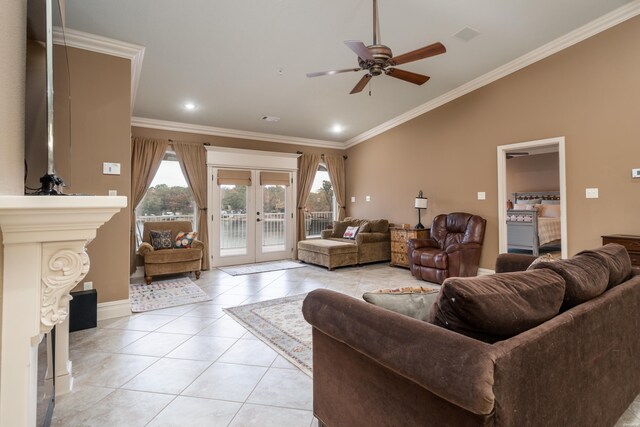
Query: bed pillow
x=549, y=211
x=523, y=207
x=528, y=201
x=496, y=307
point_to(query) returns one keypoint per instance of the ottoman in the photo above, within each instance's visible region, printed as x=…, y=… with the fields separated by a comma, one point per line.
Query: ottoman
x=328, y=253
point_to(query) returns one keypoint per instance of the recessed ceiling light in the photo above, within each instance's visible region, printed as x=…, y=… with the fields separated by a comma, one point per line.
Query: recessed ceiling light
x=190, y=106
x=337, y=128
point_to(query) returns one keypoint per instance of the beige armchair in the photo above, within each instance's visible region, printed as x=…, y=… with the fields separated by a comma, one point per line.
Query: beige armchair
x=169, y=261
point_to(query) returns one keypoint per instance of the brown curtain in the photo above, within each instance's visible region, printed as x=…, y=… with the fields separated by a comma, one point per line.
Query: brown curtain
x=193, y=162
x=146, y=156
x=335, y=167
x=307, y=168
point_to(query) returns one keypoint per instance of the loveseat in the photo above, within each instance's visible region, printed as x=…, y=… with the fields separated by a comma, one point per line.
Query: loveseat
x=372, y=243
x=375, y=367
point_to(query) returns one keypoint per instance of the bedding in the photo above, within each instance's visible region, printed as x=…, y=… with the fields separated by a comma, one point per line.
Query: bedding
x=548, y=230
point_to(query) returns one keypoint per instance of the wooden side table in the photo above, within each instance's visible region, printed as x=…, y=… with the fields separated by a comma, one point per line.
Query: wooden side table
x=632, y=243
x=399, y=237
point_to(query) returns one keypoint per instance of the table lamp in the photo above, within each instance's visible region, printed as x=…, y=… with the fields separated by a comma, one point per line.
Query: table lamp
x=421, y=203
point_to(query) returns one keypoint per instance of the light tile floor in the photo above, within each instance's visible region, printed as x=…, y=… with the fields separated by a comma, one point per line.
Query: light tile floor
x=193, y=365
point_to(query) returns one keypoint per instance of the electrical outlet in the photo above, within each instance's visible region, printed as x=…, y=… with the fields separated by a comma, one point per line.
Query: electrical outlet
x=591, y=193
x=367, y=198
x=113, y=192
x=353, y=199
x=635, y=173
x=88, y=286
x=482, y=195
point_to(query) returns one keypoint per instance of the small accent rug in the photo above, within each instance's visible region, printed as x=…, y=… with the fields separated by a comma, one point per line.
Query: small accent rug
x=279, y=323
x=263, y=267
x=164, y=294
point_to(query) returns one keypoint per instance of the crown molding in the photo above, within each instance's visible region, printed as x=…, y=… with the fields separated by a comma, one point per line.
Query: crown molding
x=596, y=26
x=232, y=133
x=107, y=46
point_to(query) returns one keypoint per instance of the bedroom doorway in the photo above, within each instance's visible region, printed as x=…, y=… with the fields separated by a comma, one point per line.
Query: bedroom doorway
x=531, y=227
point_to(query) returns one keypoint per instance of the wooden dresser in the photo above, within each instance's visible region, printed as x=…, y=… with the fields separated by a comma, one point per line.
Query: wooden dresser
x=399, y=237
x=632, y=243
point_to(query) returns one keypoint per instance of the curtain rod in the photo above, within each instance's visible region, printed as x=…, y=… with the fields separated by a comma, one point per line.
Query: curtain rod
x=191, y=142
x=322, y=155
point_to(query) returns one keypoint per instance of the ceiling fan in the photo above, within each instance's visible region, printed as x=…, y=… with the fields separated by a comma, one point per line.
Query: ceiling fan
x=377, y=59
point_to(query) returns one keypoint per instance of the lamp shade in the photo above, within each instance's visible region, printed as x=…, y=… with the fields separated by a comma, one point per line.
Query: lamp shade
x=421, y=202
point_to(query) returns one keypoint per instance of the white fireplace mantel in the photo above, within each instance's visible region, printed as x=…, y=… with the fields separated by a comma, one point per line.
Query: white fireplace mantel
x=44, y=240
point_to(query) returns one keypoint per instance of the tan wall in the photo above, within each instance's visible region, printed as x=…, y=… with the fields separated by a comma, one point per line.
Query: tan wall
x=537, y=172
x=220, y=141
x=588, y=93
x=100, y=132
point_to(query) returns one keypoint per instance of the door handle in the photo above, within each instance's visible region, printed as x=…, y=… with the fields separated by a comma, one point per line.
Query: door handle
x=257, y=213
x=258, y=220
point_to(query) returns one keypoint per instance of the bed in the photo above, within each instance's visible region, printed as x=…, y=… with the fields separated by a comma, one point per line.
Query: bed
x=533, y=222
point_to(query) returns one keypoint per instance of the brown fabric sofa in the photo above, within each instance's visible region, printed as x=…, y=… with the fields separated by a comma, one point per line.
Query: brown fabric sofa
x=169, y=261
x=372, y=244
x=374, y=367
x=452, y=251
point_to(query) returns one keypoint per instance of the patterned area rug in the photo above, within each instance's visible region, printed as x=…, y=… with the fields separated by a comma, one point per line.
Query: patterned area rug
x=279, y=323
x=164, y=294
x=263, y=267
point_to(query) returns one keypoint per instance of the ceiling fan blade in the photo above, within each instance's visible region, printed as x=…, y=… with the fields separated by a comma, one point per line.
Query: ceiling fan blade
x=332, y=72
x=361, y=84
x=414, y=55
x=360, y=49
x=407, y=76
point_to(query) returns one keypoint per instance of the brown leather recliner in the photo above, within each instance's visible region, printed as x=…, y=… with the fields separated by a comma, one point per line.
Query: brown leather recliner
x=452, y=251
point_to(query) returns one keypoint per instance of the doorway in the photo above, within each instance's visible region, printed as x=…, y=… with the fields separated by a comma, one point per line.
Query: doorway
x=252, y=216
x=506, y=152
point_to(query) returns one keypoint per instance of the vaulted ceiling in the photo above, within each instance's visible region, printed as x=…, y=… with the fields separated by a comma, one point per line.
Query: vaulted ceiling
x=240, y=60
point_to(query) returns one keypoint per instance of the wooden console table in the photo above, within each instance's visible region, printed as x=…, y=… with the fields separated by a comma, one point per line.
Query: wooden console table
x=632, y=243
x=399, y=237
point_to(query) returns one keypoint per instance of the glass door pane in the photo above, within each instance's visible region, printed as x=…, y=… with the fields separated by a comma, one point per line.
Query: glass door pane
x=272, y=218
x=233, y=220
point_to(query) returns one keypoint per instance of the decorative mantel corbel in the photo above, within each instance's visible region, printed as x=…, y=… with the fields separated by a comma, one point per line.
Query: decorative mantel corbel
x=61, y=272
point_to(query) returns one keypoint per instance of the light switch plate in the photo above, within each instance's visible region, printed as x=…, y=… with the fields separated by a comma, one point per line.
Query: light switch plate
x=635, y=173
x=111, y=168
x=353, y=199
x=367, y=198
x=591, y=193
x=482, y=195
x=88, y=286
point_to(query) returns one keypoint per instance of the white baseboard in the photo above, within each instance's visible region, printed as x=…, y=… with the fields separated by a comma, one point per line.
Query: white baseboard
x=485, y=272
x=111, y=309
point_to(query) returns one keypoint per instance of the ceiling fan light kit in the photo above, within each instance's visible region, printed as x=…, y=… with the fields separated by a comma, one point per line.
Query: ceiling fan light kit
x=378, y=59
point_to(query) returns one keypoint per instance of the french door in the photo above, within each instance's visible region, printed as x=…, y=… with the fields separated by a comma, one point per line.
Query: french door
x=252, y=216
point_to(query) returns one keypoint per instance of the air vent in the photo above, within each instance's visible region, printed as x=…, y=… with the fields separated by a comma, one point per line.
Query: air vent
x=270, y=118
x=467, y=34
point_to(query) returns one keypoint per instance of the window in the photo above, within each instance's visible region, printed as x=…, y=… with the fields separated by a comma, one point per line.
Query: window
x=321, y=204
x=168, y=197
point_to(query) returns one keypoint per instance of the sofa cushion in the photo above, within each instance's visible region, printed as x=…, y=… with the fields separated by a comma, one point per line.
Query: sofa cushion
x=431, y=257
x=617, y=259
x=499, y=306
x=586, y=277
x=161, y=239
x=339, y=227
x=379, y=225
x=172, y=255
x=414, y=302
x=350, y=232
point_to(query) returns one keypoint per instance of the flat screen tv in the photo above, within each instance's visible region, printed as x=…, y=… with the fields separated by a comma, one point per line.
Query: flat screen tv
x=44, y=19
